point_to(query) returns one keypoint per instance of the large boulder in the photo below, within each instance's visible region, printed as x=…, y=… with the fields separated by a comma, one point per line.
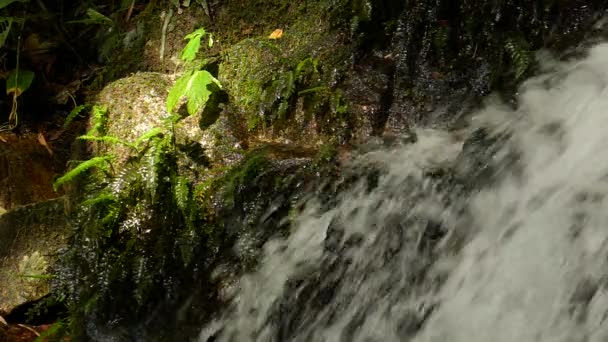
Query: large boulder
x=136, y=104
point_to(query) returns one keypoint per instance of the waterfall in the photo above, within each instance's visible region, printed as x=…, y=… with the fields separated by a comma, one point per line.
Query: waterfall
x=430, y=249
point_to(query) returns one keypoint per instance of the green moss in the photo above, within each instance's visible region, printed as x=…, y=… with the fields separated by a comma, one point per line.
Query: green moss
x=266, y=79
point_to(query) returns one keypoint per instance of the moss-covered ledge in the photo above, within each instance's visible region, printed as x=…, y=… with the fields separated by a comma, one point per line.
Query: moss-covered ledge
x=31, y=238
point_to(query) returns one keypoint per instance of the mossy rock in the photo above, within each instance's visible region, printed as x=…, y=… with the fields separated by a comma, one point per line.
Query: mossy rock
x=280, y=88
x=136, y=104
x=31, y=238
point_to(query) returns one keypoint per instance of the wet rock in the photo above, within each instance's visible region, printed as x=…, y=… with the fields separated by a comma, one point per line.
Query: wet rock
x=448, y=54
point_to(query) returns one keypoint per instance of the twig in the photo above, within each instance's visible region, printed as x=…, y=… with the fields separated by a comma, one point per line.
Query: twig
x=164, y=34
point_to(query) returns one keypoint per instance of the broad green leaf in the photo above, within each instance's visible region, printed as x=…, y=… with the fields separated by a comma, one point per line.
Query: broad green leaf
x=18, y=81
x=199, y=93
x=194, y=44
x=194, y=86
x=177, y=91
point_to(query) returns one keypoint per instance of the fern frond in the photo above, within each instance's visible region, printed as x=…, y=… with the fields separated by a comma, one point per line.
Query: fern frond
x=108, y=139
x=181, y=193
x=111, y=217
x=308, y=66
x=100, y=198
x=148, y=135
x=99, y=120
x=125, y=178
x=519, y=54
x=74, y=114
x=100, y=162
x=153, y=163
x=282, y=110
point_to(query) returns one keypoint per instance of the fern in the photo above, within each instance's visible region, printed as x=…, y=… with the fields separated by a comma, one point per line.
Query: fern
x=154, y=132
x=125, y=177
x=152, y=163
x=100, y=198
x=181, y=194
x=307, y=66
x=109, y=140
x=99, y=162
x=74, y=114
x=519, y=54
x=99, y=120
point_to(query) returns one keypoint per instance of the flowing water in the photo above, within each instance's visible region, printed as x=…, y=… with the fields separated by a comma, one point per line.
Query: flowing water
x=413, y=253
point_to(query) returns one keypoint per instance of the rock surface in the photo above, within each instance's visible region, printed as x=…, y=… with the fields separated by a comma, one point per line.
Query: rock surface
x=31, y=237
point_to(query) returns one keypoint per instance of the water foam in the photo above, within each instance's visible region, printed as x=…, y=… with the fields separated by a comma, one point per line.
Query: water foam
x=523, y=259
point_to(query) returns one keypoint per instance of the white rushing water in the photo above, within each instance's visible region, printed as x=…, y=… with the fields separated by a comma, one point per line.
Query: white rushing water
x=415, y=259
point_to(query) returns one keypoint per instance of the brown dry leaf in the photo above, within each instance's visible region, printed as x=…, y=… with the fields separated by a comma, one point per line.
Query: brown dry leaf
x=3, y=321
x=42, y=142
x=276, y=34
x=3, y=140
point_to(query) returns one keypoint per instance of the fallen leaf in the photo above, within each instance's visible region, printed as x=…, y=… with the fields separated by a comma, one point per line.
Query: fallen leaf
x=3, y=321
x=276, y=34
x=3, y=140
x=42, y=142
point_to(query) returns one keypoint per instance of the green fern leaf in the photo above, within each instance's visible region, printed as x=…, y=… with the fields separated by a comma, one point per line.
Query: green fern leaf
x=101, y=198
x=519, y=54
x=73, y=115
x=195, y=87
x=125, y=178
x=99, y=120
x=108, y=139
x=154, y=160
x=181, y=193
x=111, y=217
x=148, y=135
x=100, y=162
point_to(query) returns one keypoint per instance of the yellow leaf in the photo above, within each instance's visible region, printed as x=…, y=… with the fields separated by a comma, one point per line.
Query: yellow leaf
x=276, y=34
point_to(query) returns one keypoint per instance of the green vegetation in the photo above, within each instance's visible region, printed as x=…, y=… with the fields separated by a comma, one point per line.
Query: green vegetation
x=196, y=85
x=154, y=216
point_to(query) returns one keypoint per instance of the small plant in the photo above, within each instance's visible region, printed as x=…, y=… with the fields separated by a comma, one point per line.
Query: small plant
x=519, y=52
x=196, y=84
